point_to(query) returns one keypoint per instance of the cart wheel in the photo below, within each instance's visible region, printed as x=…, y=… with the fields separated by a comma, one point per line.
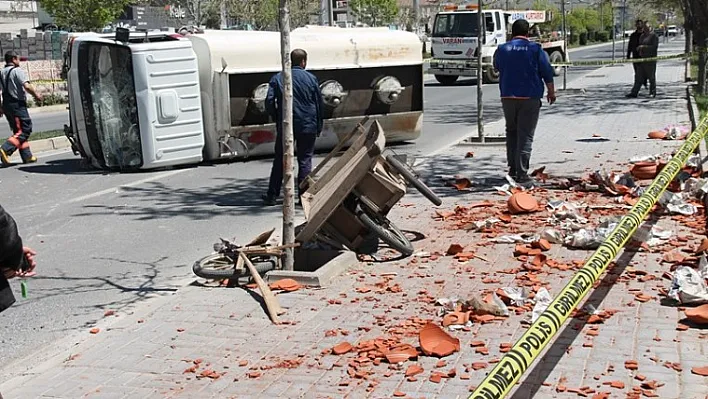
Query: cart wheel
x=414, y=181
x=220, y=267
x=387, y=231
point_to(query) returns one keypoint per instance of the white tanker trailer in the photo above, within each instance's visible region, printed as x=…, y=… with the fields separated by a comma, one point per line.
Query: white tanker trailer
x=154, y=100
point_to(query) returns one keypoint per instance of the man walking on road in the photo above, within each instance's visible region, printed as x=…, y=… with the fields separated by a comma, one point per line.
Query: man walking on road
x=523, y=67
x=648, y=47
x=632, y=46
x=307, y=121
x=14, y=85
x=15, y=260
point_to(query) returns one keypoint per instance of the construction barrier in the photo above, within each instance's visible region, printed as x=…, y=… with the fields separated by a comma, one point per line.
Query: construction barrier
x=514, y=364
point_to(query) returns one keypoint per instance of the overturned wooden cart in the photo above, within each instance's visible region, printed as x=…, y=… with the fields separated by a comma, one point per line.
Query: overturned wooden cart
x=352, y=198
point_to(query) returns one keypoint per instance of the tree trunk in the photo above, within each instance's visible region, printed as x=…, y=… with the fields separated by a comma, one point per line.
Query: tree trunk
x=698, y=10
x=702, y=71
x=689, y=45
x=288, y=139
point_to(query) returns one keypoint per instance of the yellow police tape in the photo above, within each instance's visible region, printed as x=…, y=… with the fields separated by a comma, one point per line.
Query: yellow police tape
x=624, y=60
x=457, y=64
x=515, y=362
x=48, y=81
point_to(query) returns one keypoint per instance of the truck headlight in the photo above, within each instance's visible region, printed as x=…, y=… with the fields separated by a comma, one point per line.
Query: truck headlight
x=388, y=89
x=332, y=93
x=259, y=96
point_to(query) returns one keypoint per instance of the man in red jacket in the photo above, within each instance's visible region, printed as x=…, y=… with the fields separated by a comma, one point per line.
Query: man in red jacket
x=15, y=260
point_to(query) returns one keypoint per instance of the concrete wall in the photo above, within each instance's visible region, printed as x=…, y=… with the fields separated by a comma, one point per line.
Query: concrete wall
x=35, y=45
x=46, y=76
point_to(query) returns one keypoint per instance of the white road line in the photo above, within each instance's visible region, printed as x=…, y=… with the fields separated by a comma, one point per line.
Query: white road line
x=132, y=184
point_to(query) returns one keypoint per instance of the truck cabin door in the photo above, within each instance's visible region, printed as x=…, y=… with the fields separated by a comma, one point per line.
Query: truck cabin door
x=167, y=81
x=490, y=29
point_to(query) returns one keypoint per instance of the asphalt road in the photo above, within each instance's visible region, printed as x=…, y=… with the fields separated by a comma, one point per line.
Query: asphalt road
x=112, y=241
x=46, y=121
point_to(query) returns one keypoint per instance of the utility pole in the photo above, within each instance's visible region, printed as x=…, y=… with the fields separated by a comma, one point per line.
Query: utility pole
x=288, y=139
x=602, y=20
x=614, y=31
x=330, y=12
x=624, y=17
x=416, y=15
x=323, y=11
x=480, y=32
x=565, y=43
x=222, y=14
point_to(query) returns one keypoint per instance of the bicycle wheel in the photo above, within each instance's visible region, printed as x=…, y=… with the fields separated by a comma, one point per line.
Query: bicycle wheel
x=220, y=267
x=414, y=181
x=387, y=231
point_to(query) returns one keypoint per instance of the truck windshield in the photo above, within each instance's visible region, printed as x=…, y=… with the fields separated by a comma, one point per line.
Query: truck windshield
x=109, y=104
x=455, y=25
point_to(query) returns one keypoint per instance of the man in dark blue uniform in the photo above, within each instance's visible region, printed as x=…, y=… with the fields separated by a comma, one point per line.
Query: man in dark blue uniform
x=14, y=85
x=307, y=121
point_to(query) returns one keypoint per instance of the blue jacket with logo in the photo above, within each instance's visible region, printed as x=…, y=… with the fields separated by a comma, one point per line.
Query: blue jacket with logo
x=307, y=102
x=523, y=67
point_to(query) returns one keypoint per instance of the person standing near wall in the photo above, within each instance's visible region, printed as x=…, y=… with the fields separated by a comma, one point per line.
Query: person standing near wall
x=15, y=85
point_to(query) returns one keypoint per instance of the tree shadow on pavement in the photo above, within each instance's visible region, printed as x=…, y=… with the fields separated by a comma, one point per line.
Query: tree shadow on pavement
x=462, y=114
x=573, y=327
x=136, y=285
x=212, y=198
x=610, y=99
x=486, y=171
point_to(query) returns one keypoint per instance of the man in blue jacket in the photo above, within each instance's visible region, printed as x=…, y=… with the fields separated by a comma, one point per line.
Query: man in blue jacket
x=307, y=121
x=523, y=67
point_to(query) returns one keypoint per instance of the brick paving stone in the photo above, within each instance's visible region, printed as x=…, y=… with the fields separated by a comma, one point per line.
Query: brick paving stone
x=147, y=359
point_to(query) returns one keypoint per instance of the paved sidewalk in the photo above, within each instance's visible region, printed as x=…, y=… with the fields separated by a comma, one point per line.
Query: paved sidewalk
x=218, y=342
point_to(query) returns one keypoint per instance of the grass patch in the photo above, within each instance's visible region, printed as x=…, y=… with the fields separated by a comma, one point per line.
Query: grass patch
x=46, y=135
x=702, y=103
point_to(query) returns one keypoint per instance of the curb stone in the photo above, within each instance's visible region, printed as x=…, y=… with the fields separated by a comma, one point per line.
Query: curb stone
x=321, y=277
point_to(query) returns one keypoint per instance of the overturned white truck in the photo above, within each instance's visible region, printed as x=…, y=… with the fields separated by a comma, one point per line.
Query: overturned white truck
x=152, y=100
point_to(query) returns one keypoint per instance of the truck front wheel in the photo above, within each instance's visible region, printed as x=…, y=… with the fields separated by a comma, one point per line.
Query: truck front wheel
x=446, y=80
x=490, y=75
x=556, y=58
